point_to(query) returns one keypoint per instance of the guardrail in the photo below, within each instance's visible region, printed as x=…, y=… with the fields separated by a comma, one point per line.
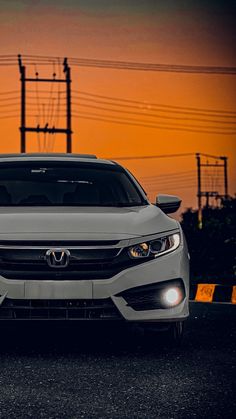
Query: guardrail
x=213, y=293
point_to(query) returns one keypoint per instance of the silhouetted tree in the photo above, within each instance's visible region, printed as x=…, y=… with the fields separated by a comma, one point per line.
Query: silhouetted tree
x=213, y=248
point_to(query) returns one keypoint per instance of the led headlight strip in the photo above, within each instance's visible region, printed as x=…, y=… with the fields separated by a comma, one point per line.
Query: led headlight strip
x=156, y=247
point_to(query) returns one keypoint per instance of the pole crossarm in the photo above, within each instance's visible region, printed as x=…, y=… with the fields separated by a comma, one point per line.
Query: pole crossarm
x=209, y=193
x=45, y=130
x=212, y=165
x=45, y=80
x=211, y=156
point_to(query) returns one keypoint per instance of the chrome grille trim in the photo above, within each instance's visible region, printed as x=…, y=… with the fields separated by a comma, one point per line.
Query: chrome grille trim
x=62, y=243
x=14, y=247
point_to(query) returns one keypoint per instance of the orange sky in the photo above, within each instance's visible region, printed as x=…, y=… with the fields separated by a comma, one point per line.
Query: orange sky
x=138, y=31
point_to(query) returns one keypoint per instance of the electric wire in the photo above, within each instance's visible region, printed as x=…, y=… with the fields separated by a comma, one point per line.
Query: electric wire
x=7, y=105
x=155, y=156
x=169, y=174
x=151, y=122
x=152, y=115
x=174, y=188
x=132, y=122
x=169, y=181
x=9, y=92
x=9, y=99
x=147, y=105
x=9, y=116
x=122, y=65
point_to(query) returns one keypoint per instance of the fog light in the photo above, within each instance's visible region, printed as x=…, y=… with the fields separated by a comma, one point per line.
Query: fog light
x=172, y=296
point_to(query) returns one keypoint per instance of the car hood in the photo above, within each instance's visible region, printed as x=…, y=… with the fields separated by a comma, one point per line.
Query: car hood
x=82, y=222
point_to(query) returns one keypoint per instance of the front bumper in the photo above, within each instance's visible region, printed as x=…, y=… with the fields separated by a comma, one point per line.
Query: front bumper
x=167, y=267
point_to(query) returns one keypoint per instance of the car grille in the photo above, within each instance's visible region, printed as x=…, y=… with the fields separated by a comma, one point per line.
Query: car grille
x=103, y=309
x=29, y=262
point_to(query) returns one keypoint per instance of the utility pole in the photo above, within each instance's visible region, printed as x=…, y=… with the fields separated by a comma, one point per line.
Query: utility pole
x=68, y=105
x=225, y=159
x=46, y=129
x=199, y=191
x=23, y=105
x=207, y=194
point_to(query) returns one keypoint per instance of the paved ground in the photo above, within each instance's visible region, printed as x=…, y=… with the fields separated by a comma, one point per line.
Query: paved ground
x=49, y=372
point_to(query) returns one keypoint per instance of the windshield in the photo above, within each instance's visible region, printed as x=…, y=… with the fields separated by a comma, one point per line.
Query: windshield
x=48, y=184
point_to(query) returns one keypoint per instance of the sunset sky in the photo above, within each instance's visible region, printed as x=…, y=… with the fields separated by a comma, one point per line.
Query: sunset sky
x=182, y=32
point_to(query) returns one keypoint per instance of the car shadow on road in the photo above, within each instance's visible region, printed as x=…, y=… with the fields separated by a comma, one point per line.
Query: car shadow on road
x=72, y=339
x=207, y=328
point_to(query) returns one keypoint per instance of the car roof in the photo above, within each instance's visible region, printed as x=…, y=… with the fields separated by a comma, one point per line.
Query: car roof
x=90, y=158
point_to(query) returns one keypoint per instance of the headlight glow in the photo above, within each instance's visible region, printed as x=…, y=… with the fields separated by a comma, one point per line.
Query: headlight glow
x=172, y=296
x=155, y=247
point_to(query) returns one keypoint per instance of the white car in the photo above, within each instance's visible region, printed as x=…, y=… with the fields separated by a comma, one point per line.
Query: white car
x=79, y=240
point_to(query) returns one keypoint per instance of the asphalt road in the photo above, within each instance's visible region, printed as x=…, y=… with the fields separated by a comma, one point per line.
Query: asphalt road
x=54, y=372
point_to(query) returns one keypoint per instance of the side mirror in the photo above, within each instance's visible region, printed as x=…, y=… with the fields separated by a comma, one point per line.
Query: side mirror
x=168, y=203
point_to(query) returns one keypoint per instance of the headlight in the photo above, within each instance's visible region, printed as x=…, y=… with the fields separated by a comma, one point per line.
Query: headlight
x=156, y=247
x=141, y=250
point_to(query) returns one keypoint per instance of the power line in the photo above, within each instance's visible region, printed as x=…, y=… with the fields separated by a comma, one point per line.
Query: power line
x=123, y=65
x=9, y=116
x=157, y=123
x=142, y=106
x=155, y=156
x=152, y=115
x=7, y=64
x=9, y=112
x=169, y=180
x=6, y=105
x=166, y=178
x=138, y=113
x=169, y=174
x=174, y=188
x=210, y=114
x=9, y=92
x=9, y=99
x=161, y=156
x=169, y=185
x=147, y=105
x=6, y=55
x=133, y=122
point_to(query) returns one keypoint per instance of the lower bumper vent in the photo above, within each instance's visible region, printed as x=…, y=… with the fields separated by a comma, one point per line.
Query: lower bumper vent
x=103, y=309
x=150, y=297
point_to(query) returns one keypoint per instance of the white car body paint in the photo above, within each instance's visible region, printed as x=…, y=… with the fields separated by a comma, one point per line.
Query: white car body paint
x=123, y=225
